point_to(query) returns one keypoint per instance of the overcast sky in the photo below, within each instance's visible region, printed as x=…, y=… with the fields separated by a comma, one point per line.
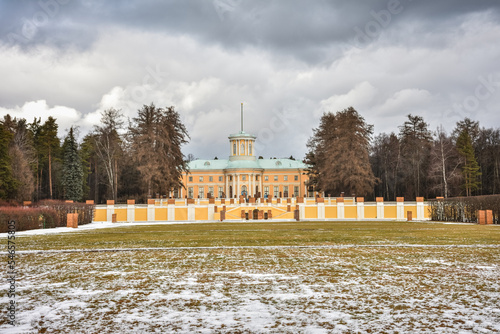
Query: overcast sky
x=288, y=61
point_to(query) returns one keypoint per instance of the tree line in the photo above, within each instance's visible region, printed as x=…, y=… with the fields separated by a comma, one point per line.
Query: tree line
x=412, y=162
x=140, y=159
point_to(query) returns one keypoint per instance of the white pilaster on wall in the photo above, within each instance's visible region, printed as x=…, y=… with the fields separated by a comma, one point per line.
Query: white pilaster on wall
x=211, y=211
x=321, y=210
x=420, y=209
x=360, y=210
x=171, y=212
x=380, y=210
x=110, y=209
x=191, y=212
x=400, y=210
x=130, y=212
x=340, y=210
x=302, y=211
x=151, y=212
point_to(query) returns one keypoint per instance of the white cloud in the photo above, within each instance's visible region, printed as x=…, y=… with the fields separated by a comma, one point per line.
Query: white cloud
x=66, y=117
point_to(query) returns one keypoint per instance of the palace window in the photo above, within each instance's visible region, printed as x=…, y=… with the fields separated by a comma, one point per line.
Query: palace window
x=250, y=149
x=285, y=191
x=296, y=178
x=256, y=177
x=234, y=148
x=210, y=179
x=220, y=178
x=190, y=179
x=242, y=150
x=221, y=190
x=266, y=178
x=211, y=191
x=276, y=191
x=266, y=190
x=201, y=192
x=201, y=178
x=296, y=191
x=243, y=177
x=275, y=177
x=190, y=192
x=285, y=178
x=230, y=178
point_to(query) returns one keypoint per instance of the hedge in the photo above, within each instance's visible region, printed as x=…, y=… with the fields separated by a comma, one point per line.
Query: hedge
x=44, y=214
x=464, y=209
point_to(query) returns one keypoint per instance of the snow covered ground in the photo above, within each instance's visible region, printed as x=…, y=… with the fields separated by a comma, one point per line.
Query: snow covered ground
x=259, y=290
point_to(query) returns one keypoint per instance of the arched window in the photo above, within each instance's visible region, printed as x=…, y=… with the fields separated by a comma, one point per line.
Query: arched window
x=250, y=149
x=234, y=148
x=242, y=150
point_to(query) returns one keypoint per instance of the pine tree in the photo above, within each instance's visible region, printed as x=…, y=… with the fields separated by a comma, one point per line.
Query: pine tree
x=416, y=142
x=470, y=167
x=338, y=153
x=72, y=169
x=7, y=181
x=157, y=135
x=50, y=146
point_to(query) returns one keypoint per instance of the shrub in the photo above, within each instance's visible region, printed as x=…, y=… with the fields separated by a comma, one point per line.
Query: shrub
x=85, y=211
x=44, y=214
x=29, y=218
x=4, y=203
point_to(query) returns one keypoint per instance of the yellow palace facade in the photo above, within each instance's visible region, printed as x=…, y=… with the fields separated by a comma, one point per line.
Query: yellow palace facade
x=244, y=175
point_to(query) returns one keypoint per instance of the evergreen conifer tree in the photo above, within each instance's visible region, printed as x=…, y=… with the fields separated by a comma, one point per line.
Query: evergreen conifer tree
x=7, y=181
x=470, y=168
x=72, y=169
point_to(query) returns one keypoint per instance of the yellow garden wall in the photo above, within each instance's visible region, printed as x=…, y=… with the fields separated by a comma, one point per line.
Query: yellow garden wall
x=161, y=214
x=351, y=212
x=141, y=215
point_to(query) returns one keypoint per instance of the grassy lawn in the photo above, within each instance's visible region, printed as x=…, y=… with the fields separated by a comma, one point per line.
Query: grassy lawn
x=378, y=277
x=266, y=234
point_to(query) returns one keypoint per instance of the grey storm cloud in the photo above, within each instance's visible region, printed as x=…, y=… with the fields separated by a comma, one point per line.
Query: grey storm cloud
x=298, y=28
x=288, y=60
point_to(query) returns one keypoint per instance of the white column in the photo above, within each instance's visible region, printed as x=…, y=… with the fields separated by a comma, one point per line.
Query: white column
x=360, y=210
x=130, y=212
x=340, y=210
x=211, y=211
x=151, y=212
x=110, y=209
x=251, y=190
x=380, y=210
x=234, y=183
x=420, y=211
x=302, y=211
x=321, y=210
x=261, y=185
x=237, y=185
x=400, y=210
x=170, y=212
x=226, y=184
x=191, y=212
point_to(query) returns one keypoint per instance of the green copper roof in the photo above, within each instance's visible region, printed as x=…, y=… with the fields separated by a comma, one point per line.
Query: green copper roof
x=246, y=164
x=242, y=134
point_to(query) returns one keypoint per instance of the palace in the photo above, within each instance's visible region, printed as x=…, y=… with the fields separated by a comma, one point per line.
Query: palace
x=243, y=174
